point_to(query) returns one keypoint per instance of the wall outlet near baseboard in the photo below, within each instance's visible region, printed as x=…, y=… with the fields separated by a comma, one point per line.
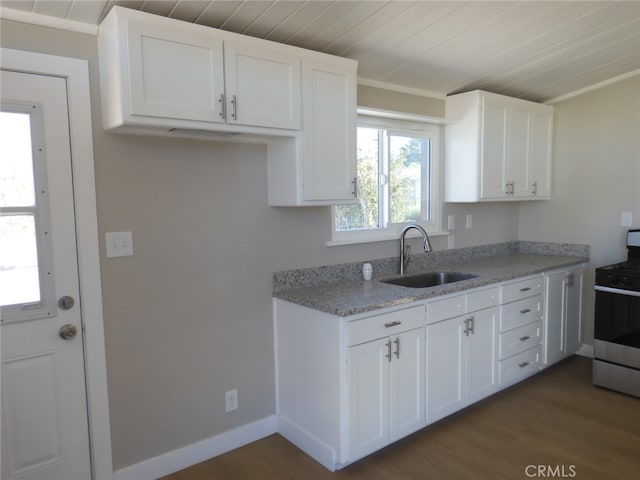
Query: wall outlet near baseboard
x=231, y=400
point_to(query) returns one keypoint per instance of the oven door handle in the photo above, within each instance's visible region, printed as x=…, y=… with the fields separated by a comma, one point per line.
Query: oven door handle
x=630, y=293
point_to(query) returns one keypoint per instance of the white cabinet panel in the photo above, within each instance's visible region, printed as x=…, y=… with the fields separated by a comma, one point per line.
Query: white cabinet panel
x=562, y=314
x=263, y=87
x=446, y=357
x=369, y=397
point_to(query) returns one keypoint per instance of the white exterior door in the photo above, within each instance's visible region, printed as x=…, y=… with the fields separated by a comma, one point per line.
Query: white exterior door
x=43, y=399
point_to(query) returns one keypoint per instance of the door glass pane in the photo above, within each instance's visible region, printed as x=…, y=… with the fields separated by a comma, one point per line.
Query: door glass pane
x=365, y=213
x=16, y=162
x=408, y=163
x=19, y=278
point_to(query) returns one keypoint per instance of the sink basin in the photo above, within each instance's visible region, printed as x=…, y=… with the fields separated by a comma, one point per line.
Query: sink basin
x=430, y=279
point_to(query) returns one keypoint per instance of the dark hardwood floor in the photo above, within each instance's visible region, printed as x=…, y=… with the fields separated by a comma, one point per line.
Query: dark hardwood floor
x=554, y=425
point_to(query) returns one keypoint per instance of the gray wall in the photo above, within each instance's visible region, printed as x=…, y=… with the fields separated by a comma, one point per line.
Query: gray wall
x=596, y=176
x=189, y=315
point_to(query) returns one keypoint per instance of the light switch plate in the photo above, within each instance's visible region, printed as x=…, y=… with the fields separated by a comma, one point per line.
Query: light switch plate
x=119, y=244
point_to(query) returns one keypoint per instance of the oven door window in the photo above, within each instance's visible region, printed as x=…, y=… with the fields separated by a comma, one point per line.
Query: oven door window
x=617, y=318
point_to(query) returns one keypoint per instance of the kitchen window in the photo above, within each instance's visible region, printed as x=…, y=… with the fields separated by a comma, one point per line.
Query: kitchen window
x=398, y=181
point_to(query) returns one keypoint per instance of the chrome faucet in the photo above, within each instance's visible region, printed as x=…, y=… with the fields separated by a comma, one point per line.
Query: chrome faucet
x=404, y=251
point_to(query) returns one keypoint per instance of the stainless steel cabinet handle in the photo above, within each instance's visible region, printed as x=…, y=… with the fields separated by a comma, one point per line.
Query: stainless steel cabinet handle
x=534, y=188
x=468, y=328
x=526, y=310
x=525, y=289
x=526, y=337
x=392, y=324
x=223, y=107
x=472, y=322
x=388, y=355
x=355, y=187
x=397, y=342
x=523, y=364
x=234, y=103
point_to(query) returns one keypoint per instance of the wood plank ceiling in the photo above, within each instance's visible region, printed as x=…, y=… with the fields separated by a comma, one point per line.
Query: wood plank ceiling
x=529, y=49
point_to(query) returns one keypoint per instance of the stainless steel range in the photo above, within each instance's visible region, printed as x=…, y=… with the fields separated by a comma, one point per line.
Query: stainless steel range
x=616, y=343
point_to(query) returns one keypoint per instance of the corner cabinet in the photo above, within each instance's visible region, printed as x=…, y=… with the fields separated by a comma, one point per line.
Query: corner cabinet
x=498, y=148
x=563, y=313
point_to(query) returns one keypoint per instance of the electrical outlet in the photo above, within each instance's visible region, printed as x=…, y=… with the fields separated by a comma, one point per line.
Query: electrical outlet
x=231, y=400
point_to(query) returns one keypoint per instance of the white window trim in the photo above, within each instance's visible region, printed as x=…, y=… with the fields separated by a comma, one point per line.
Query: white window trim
x=407, y=124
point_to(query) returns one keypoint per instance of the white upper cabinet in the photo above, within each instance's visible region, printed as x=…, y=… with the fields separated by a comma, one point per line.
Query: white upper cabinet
x=320, y=168
x=262, y=86
x=170, y=74
x=497, y=148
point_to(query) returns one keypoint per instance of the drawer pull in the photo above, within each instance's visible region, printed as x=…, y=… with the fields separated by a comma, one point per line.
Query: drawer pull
x=397, y=342
x=388, y=345
x=526, y=337
x=526, y=310
x=525, y=289
x=523, y=364
x=392, y=324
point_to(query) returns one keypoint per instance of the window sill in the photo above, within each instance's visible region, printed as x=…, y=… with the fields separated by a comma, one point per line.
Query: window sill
x=379, y=238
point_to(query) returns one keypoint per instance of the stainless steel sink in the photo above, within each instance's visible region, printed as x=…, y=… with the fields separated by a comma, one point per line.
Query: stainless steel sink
x=430, y=279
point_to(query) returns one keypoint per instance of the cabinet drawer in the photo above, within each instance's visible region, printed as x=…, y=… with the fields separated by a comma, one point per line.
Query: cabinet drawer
x=521, y=312
x=379, y=326
x=522, y=289
x=482, y=299
x=520, y=339
x=446, y=308
x=520, y=366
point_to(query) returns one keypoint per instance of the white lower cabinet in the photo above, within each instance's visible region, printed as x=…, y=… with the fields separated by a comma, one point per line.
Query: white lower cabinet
x=563, y=313
x=386, y=391
x=461, y=353
x=520, y=332
x=346, y=387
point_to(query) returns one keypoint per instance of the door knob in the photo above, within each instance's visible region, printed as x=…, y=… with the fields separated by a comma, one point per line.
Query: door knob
x=67, y=332
x=66, y=302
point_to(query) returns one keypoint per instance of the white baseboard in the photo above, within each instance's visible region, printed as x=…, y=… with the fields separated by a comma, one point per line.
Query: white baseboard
x=184, y=457
x=308, y=443
x=585, y=350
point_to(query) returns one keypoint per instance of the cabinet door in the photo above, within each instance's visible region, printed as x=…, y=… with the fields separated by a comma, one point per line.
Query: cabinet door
x=482, y=361
x=263, y=87
x=554, y=315
x=173, y=74
x=493, y=148
x=445, y=368
x=517, y=150
x=369, y=397
x=329, y=140
x=541, y=129
x=573, y=320
x=407, y=383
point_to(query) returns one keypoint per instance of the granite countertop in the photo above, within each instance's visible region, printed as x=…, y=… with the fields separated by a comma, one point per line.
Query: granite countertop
x=340, y=290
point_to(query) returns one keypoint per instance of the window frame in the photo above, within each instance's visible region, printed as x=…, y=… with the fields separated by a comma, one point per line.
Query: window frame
x=46, y=305
x=401, y=124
